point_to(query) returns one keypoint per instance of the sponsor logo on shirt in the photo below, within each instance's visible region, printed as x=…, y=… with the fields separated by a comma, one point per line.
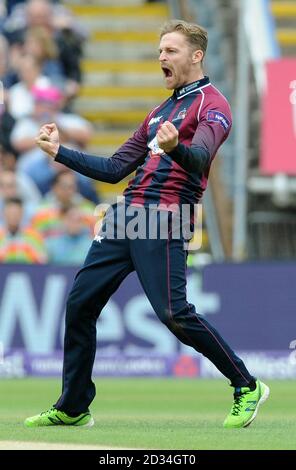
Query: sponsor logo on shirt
x=181, y=115
x=189, y=88
x=217, y=116
x=154, y=120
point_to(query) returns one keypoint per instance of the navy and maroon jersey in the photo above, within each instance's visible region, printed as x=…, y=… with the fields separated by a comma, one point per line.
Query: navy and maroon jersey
x=202, y=116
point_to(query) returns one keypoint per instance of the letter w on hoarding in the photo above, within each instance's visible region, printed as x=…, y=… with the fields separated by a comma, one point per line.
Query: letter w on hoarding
x=293, y=103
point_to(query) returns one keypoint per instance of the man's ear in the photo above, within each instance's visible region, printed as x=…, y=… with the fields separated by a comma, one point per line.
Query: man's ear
x=197, y=56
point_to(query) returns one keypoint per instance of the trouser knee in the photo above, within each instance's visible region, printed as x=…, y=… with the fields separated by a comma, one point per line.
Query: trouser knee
x=169, y=317
x=179, y=315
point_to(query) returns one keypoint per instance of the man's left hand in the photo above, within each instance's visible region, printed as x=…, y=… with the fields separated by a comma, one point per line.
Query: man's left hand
x=167, y=136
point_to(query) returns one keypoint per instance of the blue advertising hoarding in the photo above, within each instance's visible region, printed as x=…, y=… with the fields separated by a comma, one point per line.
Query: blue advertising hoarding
x=252, y=306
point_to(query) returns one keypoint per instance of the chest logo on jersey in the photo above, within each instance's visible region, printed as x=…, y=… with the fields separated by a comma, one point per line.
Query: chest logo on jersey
x=154, y=120
x=181, y=115
x=217, y=116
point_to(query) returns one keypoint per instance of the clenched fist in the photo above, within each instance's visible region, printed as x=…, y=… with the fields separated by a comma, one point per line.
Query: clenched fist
x=167, y=136
x=48, y=139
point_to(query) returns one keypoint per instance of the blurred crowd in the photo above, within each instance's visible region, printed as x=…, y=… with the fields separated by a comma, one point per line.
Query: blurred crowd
x=46, y=210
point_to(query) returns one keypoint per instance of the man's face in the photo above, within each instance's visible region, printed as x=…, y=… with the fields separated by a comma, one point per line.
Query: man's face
x=45, y=111
x=73, y=221
x=176, y=60
x=39, y=13
x=13, y=214
x=65, y=188
x=8, y=185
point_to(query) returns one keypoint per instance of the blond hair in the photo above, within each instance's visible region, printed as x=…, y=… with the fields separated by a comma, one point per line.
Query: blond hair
x=196, y=35
x=43, y=37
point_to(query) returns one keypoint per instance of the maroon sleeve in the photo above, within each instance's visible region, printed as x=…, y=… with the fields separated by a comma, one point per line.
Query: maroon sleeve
x=214, y=123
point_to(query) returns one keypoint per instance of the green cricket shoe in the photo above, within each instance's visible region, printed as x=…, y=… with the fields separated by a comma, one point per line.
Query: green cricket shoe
x=54, y=417
x=245, y=405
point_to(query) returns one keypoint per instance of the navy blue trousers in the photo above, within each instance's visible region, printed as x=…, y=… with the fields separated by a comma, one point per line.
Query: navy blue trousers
x=161, y=267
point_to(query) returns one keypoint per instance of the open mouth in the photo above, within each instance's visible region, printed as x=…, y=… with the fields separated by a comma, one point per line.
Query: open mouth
x=167, y=72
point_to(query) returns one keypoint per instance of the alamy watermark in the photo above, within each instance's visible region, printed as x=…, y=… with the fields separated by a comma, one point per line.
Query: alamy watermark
x=154, y=221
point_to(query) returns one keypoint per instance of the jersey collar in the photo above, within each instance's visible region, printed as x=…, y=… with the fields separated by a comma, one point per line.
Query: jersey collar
x=191, y=88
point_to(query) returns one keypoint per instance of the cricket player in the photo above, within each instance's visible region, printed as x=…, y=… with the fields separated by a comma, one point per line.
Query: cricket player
x=171, y=152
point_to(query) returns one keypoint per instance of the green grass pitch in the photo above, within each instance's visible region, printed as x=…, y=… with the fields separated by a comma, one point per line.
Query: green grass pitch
x=153, y=414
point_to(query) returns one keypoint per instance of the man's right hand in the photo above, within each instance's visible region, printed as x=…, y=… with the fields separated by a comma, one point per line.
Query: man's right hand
x=48, y=139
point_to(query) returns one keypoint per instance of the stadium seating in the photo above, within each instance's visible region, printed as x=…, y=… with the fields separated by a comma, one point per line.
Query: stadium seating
x=285, y=15
x=121, y=74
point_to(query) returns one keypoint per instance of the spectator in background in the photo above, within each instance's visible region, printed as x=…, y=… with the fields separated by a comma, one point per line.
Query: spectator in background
x=28, y=191
x=71, y=246
x=48, y=102
x=10, y=5
x=3, y=56
x=70, y=45
x=7, y=122
x=64, y=30
x=48, y=218
x=40, y=44
x=7, y=159
x=17, y=244
x=20, y=96
x=14, y=185
x=10, y=55
x=67, y=34
x=64, y=193
x=26, y=15
x=2, y=15
x=8, y=184
x=32, y=161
